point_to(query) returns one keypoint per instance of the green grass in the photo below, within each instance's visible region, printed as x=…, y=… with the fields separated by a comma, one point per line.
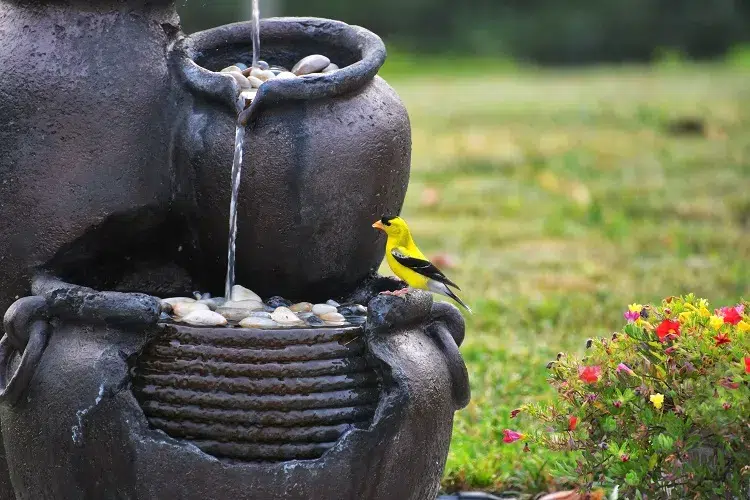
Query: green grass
x=563, y=198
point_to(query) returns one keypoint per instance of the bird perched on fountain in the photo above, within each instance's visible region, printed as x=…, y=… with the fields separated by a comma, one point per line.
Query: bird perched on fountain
x=409, y=263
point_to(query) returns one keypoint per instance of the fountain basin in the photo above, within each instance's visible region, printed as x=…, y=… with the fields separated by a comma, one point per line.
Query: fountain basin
x=324, y=156
x=137, y=409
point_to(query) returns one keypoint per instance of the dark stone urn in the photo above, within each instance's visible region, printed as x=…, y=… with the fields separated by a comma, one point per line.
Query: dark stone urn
x=116, y=144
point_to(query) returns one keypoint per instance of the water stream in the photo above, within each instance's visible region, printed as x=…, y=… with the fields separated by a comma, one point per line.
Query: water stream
x=239, y=141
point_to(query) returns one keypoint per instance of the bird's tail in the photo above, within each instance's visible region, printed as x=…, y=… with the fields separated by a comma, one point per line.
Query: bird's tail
x=443, y=289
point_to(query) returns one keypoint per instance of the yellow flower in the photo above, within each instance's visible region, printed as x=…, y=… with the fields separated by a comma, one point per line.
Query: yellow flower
x=743, y=326
x=657, y=400
x=703, y=303
x=635, y=308
x=685, y=316
x=716, y=322
x=705, y=312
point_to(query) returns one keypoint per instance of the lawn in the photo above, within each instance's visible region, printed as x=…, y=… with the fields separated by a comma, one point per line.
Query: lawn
x=561, y=196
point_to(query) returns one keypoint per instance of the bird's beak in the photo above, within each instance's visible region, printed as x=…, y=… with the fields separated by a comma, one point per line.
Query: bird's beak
x=378, y=225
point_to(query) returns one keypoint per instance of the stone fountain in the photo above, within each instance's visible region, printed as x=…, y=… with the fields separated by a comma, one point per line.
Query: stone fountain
x=115, y=149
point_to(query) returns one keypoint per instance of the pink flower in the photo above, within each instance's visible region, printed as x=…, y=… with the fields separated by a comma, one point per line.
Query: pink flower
x=632, y=316
x=617, y=403
x=589, y=374
x=747, y=364
x=731, y=315
x=726, y=406
x=514, y=413
x=624, y=457
x=622, y=367
x=510, y=436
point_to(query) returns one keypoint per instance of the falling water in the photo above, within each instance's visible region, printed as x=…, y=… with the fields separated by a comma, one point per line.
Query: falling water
x=255, y=27
x=239, y=141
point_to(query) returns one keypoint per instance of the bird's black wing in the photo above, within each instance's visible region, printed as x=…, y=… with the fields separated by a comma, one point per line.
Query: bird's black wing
x=423, y=267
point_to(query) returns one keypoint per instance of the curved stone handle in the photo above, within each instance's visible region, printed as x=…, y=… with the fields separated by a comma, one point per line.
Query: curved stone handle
x=447, y=328
x=27, y=330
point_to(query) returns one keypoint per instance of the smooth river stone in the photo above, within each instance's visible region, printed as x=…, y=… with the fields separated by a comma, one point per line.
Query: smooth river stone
x=277, y=301
x=332, y=317
x=250, y=305
x=253, y=322
x=255, y=82
x=204, y=318
x=356, y=320
x=213, y=303
x=230, y=69
x=182, y=309
x=243, y=82
x=284, y=316
x=329, y=68
x=314, y=321
x=177, y=300
x=301, y=307
x=241, y=293
x=234, y=313
x=321, y=309
x=285, y=75
x=259, y=314
x=353, y=310
x=311, y=64
x=333, y=303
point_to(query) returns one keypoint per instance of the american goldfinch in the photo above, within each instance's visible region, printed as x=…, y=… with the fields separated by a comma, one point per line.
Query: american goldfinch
x=409, y=263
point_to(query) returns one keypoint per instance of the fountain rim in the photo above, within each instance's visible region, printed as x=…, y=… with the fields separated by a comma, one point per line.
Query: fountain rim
x=368, y=47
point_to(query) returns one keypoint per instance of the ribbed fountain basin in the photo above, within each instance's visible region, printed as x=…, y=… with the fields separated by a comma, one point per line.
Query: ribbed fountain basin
x=257, y=395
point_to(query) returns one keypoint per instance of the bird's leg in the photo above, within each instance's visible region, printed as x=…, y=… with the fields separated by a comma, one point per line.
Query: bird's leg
x=397, y=293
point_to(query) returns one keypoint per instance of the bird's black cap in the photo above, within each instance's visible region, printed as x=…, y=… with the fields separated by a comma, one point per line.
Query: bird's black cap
x=386, y=219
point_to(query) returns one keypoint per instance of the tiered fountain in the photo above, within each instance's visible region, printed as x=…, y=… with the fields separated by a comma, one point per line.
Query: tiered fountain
x=116, y=143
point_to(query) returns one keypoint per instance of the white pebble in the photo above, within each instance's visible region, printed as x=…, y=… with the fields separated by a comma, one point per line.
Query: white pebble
x=182, y=309
x=243, y=82
x=241, y=293
x=255, y=82
x=286, y=75
x=230, y=69
x=333, y=317
x=329, y=68
x=204, y=318
x=250, y=305
x=249, y=95
x=284, y=315
x=178, y=300
x=266, y=75
x=301, y=307
x=333, y=303
x=320, y=309
x=311, y=64
x=255, y=322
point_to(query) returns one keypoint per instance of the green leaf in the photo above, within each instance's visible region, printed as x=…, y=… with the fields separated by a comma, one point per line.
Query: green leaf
x=653, y=461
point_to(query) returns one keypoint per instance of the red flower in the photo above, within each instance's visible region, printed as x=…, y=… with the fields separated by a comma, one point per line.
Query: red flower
x=731, y=315
x=617, y=403
x=589, y=374
x=667, y=328
x=514, y=413
x=722, y=338
x=747, y=364
x=572, y=423
x=510, y=436
x=624, y=457
x=726, y=406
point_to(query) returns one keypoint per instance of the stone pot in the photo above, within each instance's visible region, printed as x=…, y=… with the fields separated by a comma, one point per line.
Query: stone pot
x=104, y=402
x=324, y=156
x=85, y=129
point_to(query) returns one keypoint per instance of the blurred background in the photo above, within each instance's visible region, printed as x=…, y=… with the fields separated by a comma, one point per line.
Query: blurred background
x=569, y=158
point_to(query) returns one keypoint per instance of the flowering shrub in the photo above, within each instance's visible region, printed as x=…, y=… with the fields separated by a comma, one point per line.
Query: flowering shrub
x=662, y=408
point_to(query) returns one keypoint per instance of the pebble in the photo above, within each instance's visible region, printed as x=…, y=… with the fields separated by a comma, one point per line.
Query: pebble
x=278, y=69
x=301, y=307
x=177, y=300
x=197, y=295
x=263, y=65
x=250, y=305
x=329, y=68
x=230, y=69
x=213, y=303
x=182, y=309
x=285, y=316
x=165, y=308
x=241, y=66
x=204, y=318
x=259, y=314
x=311, y=64
x=235, y=313
x=315, y=321
x=321, y=309
x=241, y=293
x=333, y=303
x=255, y=322
x=332, y=317
x=305, y=315
x=256, y=72
x=285, y=75
x=353, y=310
x=249, y=95
x=267, y=75
x=277, y=301
x=254, y=81
x=356, y=320
x=243, y=82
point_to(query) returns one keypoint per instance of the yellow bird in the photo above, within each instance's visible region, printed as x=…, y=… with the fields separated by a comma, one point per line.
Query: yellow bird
x=409, y=263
